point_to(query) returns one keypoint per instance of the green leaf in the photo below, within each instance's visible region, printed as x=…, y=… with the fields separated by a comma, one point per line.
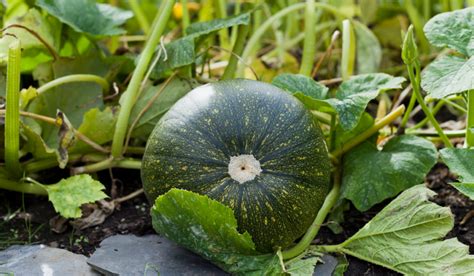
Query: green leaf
x=35, y=144
x=342, y=137
x=402, y=163
x=179, y=53
x=341, y=267
x=26, y=95
x=99, y=126
x=460, y=162
x=301, y=84
x=454, y=30
x=448, y=75
x=354, y=94
x=175, y=89
x=406, y=236
x=209, y=229
x=69, y=194
x=86, y=16
x=305, y=263
x=204, y=28
x=34, y=52
x=368, y=49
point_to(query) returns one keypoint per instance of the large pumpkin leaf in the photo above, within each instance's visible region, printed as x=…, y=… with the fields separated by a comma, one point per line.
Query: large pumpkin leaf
x=69, y=194
x=448, y=75
x=406, y=236
x=300, y=86
x=454, y=30
x=209, y=229
x=86, y=16
x=351, y=98
x=168, y=95
x=369, y=51
x=460, y=162
x=402, y=163
x=354, y=94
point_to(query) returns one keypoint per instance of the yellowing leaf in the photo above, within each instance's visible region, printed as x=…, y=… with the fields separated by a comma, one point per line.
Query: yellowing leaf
x=69, y=194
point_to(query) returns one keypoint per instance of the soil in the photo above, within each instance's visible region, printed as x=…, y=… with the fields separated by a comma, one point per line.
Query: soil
x=27, y=219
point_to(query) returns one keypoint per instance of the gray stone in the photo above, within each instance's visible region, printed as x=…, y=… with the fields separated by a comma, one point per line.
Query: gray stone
x=148, y=255
x=327, y=267
x=41, y=260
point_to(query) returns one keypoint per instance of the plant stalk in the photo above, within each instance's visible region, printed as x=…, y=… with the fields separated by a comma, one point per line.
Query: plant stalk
x=12, y=116
x=470, y=119
x=415, y=81
x=75, y=78
x=254, y=39
x=229, y=72
x=313, y=230
x=27, y=188
x=348, y=50
x=130, y=95
x=140, y=16
x=309, y=46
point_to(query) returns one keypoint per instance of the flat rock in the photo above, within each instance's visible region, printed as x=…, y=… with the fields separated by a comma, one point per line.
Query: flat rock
x=148, y=255
x=156, y=255
x=41, y=260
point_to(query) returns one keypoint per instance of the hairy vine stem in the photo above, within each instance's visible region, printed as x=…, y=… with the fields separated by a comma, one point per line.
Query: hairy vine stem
x=75, y=78
x=12, y=116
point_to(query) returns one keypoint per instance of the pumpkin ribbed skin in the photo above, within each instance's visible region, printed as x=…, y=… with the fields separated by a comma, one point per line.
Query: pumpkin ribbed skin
x=192, y=144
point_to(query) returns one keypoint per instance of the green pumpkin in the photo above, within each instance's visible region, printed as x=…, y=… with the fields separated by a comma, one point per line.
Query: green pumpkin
x=249, y=145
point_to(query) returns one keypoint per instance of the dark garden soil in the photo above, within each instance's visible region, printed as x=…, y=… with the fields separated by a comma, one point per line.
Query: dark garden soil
x=30, y=223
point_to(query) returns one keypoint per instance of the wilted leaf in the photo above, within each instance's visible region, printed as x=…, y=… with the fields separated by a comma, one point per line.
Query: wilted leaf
x=369, y=51
x=86, y=16
x=209, y=229
x=66, y=138
x=454, y=30
x=402, y=163
x=406, y=236
x=460, y=162
x=175, y=89
x=69, y=194
x=448, y=75
x=354, y=94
